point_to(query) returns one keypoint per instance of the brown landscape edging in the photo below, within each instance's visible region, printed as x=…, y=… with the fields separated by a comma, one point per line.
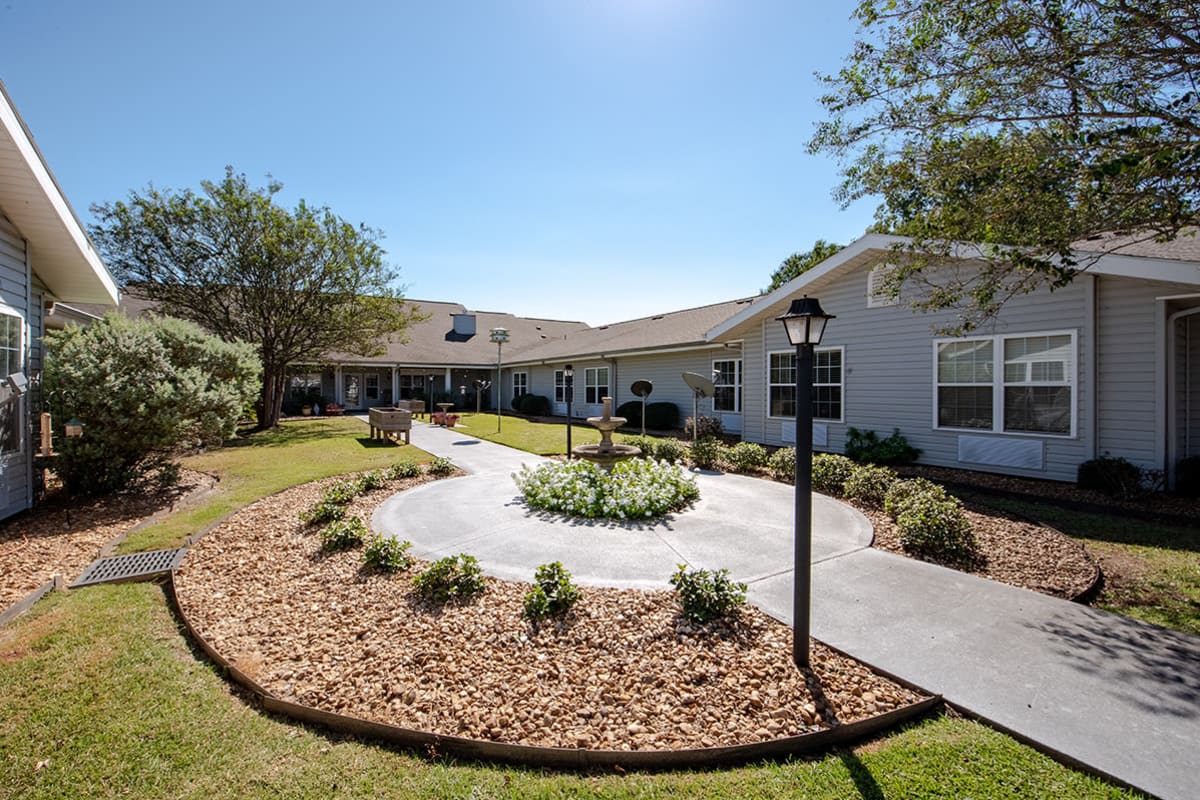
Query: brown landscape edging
x=25, y=603
x=559, y=757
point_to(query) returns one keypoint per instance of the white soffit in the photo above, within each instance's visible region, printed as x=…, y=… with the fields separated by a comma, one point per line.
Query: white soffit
x=59, y=250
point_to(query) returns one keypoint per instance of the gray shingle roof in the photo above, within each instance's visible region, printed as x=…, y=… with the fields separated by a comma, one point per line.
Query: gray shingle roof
x=1184, y=247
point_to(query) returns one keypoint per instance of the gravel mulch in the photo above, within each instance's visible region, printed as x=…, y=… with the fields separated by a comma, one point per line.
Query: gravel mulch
x=622, y=671
x=62, y=536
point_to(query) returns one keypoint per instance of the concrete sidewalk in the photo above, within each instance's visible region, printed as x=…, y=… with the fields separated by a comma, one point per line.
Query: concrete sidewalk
x=1116, y=696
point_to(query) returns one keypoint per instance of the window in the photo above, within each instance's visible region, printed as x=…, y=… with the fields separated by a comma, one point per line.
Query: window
x=827, y=384
x=727, y=383
x=412, y=387
x=372, y=386
x=520, y=383
x=304, y=387
x=560, y=386
x=11, y=328
x=1034, y=393
x=595, y=381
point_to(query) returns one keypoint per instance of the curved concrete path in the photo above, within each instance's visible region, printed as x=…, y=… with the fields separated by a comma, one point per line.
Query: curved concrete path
x=1113, y=695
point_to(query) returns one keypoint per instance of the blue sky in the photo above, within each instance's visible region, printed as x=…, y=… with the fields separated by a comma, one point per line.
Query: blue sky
x=596, y=160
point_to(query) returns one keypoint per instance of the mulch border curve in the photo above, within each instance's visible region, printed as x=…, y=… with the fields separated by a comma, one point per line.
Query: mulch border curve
x=25, y=603
x=559, y=757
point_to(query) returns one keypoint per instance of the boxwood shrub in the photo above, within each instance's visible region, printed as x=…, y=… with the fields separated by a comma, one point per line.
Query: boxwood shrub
x=534, y=405
x=936, y=527
x=670, y=450
x=900, y=491
x=830, y=472
x=746, y=456
x=783, y=463
x=662, y=416
x=707, y=452
x=869, y=485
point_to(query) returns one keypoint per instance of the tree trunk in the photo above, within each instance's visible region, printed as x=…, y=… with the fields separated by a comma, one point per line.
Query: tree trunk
x=271, y=407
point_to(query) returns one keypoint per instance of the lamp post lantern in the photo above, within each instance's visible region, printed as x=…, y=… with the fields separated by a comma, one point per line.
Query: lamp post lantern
x=805, y=324
x=499, y=336
x=569, y=395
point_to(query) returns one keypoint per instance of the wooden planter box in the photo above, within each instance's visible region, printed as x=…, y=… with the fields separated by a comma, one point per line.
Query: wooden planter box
x=389, y=423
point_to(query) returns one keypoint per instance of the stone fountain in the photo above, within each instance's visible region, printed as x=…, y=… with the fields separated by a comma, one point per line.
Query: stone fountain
x=606, y=453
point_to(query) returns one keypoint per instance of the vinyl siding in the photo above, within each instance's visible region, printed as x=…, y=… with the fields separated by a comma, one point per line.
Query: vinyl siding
x=15, y=467
x=888, y=371
x=1129, y=368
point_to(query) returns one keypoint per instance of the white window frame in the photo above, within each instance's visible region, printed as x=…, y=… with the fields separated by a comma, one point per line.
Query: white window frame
x=592, y=383
x=560, y=386
x=736, y=385
x=368, y=390
x=22, y=324
x=520, y=383
x=998, y=384
x=841, y=385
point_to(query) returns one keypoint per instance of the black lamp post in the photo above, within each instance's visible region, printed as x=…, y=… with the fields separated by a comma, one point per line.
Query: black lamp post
x=429, y=394
x=805, y=324
x=569, y=391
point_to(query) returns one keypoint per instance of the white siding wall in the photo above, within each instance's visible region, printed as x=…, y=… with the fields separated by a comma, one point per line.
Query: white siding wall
x=889, y=371
x=1130, y=366
x=16, y=468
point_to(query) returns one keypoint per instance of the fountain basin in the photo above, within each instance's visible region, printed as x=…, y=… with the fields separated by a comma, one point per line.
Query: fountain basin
x=605, y=457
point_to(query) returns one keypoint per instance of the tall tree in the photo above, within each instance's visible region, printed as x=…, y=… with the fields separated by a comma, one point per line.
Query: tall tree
x=297, y=284
x=1026, y=126
x=797, y=263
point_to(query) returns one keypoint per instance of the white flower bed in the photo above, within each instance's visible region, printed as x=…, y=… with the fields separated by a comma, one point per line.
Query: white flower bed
x=635, y=489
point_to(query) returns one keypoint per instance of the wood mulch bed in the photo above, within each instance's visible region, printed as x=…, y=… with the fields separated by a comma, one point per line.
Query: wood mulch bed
x=62, y=536
x=622, y=671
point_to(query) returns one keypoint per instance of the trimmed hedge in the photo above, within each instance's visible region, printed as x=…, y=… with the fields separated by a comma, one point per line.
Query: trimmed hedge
x=533, y=405
x=830, y=472
x=869, y=485
x=662, y=416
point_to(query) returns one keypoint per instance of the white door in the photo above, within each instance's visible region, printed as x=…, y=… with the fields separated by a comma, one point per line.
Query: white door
x=351, y=386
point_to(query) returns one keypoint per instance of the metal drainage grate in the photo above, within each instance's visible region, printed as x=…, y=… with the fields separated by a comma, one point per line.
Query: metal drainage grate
x=130, y=567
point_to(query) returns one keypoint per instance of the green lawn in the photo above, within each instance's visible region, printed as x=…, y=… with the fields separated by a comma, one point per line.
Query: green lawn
x=1152, y=568
x=101, y=696
x=266, y=462
x=542, y=438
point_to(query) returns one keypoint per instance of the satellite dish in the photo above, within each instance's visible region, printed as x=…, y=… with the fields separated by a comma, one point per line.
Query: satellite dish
x=702, y=386
x=642, y=389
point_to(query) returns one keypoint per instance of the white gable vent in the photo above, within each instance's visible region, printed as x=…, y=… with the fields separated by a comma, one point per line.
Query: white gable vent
x=998, y=452
x=464, y=324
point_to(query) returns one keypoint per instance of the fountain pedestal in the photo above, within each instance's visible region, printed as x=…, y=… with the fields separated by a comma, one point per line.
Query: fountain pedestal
x=606, y=453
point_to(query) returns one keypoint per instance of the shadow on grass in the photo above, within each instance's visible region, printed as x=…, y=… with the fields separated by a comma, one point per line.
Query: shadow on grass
x=1111, y=528
x=291, y=433
x=868, y=788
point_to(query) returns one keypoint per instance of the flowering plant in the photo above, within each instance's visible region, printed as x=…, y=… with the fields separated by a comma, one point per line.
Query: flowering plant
x=637, y=488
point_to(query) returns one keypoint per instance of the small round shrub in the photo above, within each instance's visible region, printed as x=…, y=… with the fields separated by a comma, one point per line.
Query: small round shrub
x=369, y=481
x=644, y=443
x=869, y=485
x=705, y=426
x=670, y=449
x=440, y=467
x=866, y=447
x=386, y=554
x=707, y=452
x=552, y=593
x=450, y=578
x=746, y=456
x=783, y=463
x=830, y=472
x=937, y=528
x=900, y=491
x=404, y=469
x=343, y=534
x=1115, y=477
x=704, y=595
x=341, y=492
x=323, y=512
x=662, y=416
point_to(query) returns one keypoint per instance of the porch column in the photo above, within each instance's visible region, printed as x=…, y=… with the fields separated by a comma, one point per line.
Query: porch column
x=395, y=384
x=337, y=384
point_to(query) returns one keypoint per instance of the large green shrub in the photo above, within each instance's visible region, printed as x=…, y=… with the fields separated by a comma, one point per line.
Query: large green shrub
x=534, y=405
x=704, y=595
x=783, y=463
x=869, y=485
x=707, y=452
x=662, y=416
x=866, y=447
x=936, y=527
x=632, y=412
x=145, y=390
x=746, y=456
x=830, y=472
